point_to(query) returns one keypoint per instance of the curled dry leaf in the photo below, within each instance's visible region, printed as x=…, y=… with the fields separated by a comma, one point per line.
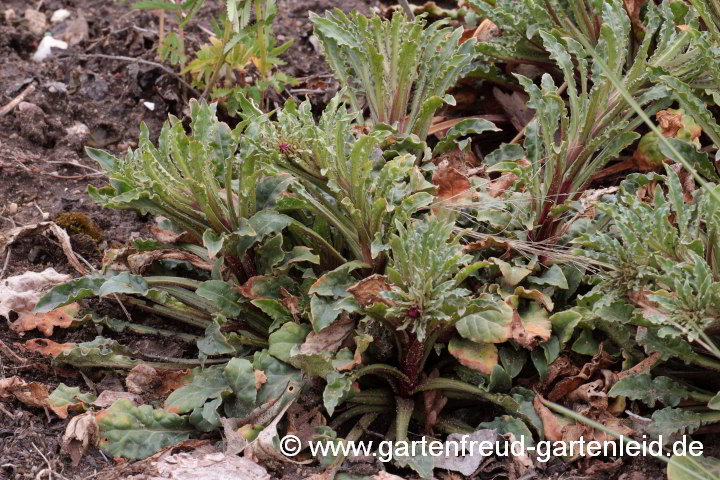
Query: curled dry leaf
x=600, y=361
x=168, y=236
x=144, y=379
x=9, y=237
x=367, y=291
x=501, y=184
x=44, y=346
x=61, y=317
x=453, y=185
x=433, y=401
x=21, y=292
x=328, y=340
x=140, y=262
x=80, y=433
x=108, y=397
x=33, y=394
x=201, y=465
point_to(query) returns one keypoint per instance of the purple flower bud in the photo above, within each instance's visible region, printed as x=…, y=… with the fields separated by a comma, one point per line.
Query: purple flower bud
x=413, y=312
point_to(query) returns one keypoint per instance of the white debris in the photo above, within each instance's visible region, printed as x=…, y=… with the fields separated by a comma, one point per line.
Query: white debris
x=60, y=15
x=21, y=292
x=45, y=48
x=150, y=106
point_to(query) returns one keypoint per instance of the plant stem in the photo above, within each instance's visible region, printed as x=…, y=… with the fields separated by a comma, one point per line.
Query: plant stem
x=404, y=407
x=355, y=412
x=386, y=371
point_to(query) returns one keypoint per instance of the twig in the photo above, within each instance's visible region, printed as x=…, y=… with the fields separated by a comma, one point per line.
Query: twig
x=138, y=60
x=7, y=260
x=9, y=414
x=407, y=9
x=13, y=356
x=15, y=101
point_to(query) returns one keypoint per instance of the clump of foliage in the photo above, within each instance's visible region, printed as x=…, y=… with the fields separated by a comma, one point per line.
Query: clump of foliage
x=400, y=67
x=318, y=257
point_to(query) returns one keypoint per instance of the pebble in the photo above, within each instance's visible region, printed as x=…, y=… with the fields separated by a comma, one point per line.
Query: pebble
x=36, y=21
x=12, y=208
x=60, y=15
x=9, y=15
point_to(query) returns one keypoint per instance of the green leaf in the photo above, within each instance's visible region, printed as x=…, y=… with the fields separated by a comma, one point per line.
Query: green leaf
x=69, y=292
x=489, y=326
x=670, y=421
x=336, y=282
x=138, y=432
x=278, y=374
x=507, y=424
x=240, y=376
x=207, y=384
x=64, y=396
x=689, y=467
x=649, y=390
x=553, y=277
x=697, y=159
x=101, y=352
x=228, y=300
x=285, y=338
x=206, y=418
x=338, y=386
x=213, y=242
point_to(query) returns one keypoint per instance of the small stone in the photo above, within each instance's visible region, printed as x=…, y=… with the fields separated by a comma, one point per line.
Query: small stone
x=9, y=15
x=12, y=208
x=60, y=15
x=36, y=21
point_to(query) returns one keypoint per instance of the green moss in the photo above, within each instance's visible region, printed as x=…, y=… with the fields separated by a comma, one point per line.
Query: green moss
x=79, y=223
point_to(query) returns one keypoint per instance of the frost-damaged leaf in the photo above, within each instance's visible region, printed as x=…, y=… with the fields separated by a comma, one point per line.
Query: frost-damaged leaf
x=453, y=187
x=81, y=432
x=206, y=384
x=33, y=394
x=367, y=291
x=147, y=380
x=44, y=346
x=137, y=432
x=200, y=465
x=465, y=462
x=531, y=327
x=61, y=317
x=21, y=293
x=650, y=390
x=477, y=356
x=140, y=262
x=10, y=236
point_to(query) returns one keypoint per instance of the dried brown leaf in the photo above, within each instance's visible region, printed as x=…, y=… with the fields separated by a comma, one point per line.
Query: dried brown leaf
x=367, y=291
x=61, y=317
